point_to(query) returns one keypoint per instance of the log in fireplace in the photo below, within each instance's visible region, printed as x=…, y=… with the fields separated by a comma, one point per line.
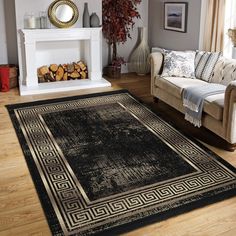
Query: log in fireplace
x=63, y=72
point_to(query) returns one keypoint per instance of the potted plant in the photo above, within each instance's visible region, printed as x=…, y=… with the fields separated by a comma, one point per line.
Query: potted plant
x=118, y=20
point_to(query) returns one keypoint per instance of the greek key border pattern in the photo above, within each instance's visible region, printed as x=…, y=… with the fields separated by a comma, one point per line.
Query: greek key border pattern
x=65, y=191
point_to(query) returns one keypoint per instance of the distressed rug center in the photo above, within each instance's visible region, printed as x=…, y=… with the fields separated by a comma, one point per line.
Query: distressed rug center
x=104, y=147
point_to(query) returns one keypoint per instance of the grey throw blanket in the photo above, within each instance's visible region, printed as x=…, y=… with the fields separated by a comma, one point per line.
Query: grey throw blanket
x=193, y=100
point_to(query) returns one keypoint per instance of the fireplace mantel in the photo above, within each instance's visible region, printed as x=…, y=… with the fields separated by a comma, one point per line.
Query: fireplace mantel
x=47, y=46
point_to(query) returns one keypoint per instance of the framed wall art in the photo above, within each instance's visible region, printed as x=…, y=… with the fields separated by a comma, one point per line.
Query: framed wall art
x=175, y=16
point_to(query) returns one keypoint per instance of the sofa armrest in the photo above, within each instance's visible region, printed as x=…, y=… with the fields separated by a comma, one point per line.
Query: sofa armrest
x=229, y=117
x=156, y=60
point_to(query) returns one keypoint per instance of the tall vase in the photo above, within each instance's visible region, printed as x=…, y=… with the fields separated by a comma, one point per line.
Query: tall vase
x=86, y=16
x=139, y=57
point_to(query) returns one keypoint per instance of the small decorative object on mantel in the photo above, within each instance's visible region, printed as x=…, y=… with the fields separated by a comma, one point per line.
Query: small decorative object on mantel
x=176, y=16
x=116, y=29
x=72, y=71
x=30, y=21
x=86, y=17
x=43, y=20
x=63, y=13
x=94, y=20
x=139, y=57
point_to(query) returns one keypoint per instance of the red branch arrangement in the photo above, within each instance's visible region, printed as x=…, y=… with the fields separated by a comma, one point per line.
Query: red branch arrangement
x=118, y=20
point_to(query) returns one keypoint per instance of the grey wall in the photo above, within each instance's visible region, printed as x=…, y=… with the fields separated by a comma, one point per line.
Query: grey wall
x=3, y=43
x=151, y=15
x=10, y=16
x=8, y=43
x=158, y=37
x=8, y=38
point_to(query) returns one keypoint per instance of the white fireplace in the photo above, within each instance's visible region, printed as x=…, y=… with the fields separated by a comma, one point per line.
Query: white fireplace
x=41, y=47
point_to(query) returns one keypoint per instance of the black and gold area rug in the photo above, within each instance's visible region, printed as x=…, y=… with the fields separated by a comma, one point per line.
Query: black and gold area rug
x=104, y=163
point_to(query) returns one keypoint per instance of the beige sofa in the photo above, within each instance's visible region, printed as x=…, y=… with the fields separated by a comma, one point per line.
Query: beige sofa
x=219, y=111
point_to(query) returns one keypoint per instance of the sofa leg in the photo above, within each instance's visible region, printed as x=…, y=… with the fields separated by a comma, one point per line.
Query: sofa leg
x=231, y=147
x=155, y=99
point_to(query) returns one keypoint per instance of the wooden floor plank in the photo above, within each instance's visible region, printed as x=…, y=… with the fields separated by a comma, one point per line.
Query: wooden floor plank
x=20, y=209
x=21, y=216
x=33, y=229
x=18, y=199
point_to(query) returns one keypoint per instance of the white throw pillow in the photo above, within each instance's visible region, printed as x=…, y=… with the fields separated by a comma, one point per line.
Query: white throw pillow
x=179, y=64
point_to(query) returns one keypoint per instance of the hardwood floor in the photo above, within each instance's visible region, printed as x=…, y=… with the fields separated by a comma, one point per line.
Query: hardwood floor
x=20, y=209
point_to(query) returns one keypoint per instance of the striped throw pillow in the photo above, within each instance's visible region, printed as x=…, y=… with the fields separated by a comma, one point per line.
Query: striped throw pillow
x=205, y=63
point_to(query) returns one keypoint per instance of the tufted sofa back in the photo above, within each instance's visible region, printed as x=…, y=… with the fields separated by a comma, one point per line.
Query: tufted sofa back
x=224, y=72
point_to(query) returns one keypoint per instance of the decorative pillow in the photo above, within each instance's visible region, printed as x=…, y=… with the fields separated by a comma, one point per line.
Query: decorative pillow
x=179, y=64
x=205, y=63
x=224, y=72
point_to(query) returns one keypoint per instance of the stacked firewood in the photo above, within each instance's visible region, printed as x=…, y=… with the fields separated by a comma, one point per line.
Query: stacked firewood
x=72, y=71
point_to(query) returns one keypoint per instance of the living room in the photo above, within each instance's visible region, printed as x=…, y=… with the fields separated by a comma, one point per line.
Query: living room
x=118, y=117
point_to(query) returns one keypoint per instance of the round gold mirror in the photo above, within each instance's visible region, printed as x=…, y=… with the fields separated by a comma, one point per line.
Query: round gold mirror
x=63, y=13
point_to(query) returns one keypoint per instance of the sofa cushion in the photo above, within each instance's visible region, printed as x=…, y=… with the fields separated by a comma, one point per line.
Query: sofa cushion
x=179, y=63
x=205, y=63
x=224, y=72
x=175, y=85
x=213, y=105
